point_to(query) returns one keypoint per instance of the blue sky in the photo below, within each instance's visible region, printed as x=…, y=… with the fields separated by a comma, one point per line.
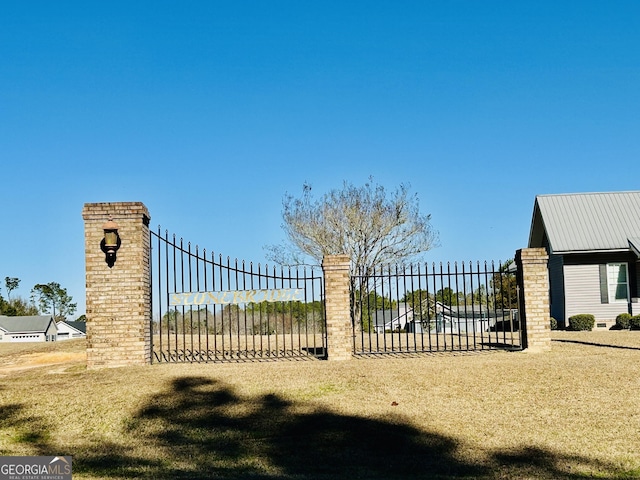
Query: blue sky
x=208, y=112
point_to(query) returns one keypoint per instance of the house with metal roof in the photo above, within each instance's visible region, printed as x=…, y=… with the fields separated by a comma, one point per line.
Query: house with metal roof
x=68, y=330
x=443, y=318
x=392, y=319
x=35, y=328
x=593, y=241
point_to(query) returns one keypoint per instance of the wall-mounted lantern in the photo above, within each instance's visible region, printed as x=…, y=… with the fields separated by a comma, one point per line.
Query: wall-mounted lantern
x=111, y=241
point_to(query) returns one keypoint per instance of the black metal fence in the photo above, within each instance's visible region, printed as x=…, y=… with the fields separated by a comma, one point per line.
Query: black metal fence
x=207, y=309
x=436, y=308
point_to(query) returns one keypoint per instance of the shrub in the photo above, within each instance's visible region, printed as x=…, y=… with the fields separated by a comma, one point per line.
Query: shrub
x=582, y=322
x=554, y=324
x=634, y=323
x=622, y=321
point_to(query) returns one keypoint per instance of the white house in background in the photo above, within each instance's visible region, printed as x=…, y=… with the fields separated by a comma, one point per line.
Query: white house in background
x=447, y=319
x=464, y=318
x=36, y=328
x=392, y=319
x=68, y=330
x=593, y=242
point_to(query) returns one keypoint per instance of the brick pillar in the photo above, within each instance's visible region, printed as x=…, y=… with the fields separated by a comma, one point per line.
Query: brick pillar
x=118, y=297
x=533, y=280
x=337, y=307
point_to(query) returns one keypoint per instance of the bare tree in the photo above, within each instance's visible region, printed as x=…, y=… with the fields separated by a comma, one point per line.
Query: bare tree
x=372, y=226
x=366, y=223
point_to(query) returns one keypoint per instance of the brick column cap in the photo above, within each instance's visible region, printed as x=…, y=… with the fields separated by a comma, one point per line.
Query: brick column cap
x=532, y=253
x=336, y=262
x=93, y=211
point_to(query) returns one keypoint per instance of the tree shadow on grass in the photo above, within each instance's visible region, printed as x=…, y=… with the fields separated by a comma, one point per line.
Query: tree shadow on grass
x=200, y=428
x=18, y=427
x=595, y=344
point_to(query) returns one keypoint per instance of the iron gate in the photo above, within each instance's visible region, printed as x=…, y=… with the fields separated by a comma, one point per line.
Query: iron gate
x=208, y=309
x=422, y=308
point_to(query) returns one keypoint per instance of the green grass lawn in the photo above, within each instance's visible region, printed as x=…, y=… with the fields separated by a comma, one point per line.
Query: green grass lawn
x=569, y=413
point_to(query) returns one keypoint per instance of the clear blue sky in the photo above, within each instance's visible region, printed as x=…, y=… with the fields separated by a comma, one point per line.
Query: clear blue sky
x=210, y=111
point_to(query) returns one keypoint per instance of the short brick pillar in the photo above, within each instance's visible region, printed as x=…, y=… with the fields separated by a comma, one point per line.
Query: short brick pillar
x=337, y=306
x=533, y=281
x=118, y=297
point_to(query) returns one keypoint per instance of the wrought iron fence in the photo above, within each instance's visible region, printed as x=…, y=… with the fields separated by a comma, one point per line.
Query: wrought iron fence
x=434, y=308
x=208, y=309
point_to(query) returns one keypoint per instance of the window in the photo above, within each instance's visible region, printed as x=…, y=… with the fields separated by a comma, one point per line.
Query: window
x=617, y=282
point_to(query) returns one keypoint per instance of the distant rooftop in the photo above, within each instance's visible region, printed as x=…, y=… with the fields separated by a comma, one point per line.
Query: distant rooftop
x=80, y=326
x=587, y=222
x=34, y=323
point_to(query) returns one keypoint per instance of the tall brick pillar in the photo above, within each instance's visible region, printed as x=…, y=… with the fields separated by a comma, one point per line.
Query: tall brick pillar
x=118, y=297
x=533, y=280
x=337, y=306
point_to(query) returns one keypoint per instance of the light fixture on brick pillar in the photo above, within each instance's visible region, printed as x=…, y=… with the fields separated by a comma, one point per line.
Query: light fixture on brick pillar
x=111, y=241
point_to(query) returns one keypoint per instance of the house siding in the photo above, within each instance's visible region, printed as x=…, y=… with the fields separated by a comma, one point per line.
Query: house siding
x=582, y=287
x=23, y=337
x=556, y=288
x=51, y=334
x=635, y=290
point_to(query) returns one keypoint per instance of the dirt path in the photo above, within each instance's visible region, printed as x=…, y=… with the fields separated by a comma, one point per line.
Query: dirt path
x=58, y=358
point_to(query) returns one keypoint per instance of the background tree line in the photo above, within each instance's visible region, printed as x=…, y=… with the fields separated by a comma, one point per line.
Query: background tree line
x=45, y=298
x=263, y=318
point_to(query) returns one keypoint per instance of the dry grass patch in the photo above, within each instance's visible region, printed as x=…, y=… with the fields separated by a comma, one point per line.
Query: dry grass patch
x=16, y=357
x=568, y=413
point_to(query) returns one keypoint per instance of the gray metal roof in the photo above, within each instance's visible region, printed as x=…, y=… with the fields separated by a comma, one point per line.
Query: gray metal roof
x=80, y=326
x=391, y=317
x=586, y=222
x=35, y=323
